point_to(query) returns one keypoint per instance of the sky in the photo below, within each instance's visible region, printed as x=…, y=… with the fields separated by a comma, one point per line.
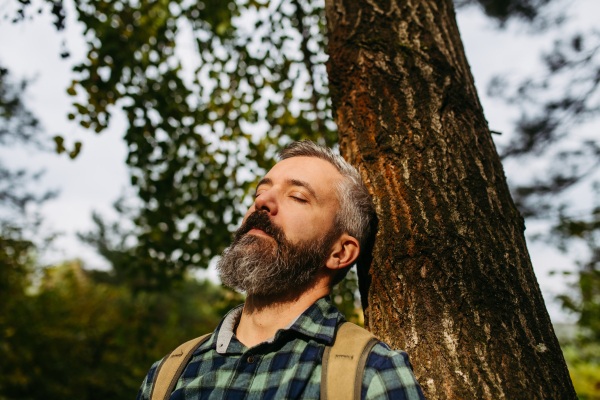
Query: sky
x=98, y=176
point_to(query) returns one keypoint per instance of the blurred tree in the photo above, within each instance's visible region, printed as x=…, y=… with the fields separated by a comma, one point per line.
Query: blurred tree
x=585, y=374
x=17, y=126
x=555, y=104
x=582, y=351
x=345, y=296
x=586, y=303
x=17, y=223
x=73, y=336
x=114, y=242
x=17, y=123
x=533, y=12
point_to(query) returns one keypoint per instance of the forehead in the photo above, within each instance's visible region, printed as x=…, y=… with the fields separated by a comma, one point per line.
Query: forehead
x=320, y=174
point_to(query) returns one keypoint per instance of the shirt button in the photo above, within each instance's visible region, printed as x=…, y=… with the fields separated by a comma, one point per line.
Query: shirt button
x=251, y=359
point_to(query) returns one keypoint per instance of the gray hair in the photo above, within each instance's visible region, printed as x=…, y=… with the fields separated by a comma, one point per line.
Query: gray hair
x=356, y=210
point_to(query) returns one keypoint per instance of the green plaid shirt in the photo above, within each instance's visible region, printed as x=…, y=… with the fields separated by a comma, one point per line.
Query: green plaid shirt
x=287, y=366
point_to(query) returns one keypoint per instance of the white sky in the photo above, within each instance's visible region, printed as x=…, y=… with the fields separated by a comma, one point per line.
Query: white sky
x=96, y=178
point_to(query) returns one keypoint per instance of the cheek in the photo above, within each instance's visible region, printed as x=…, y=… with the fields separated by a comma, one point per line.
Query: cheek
x=322, y=223
x=307, y=226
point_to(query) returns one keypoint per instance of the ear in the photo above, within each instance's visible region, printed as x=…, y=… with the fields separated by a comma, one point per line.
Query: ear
x=344, y=252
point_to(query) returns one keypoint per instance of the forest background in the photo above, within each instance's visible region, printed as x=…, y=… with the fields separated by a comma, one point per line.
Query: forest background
x=200, y=96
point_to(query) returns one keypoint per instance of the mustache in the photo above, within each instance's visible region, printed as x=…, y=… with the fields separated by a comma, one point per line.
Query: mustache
x=260, y=220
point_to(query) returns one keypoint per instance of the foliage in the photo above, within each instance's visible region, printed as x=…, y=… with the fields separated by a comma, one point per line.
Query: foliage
x=584, y=368
x=197, y=141
x=546, y=129
x=556, y=105
x=17, y=125
x=15, y=261
x=345, y=296
x=79, y=337
x=582, y=352
x=503, y=10
x=113, y=242
x=585, y=301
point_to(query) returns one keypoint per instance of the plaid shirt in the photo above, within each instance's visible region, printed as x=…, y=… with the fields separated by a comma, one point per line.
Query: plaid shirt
x=287, y=366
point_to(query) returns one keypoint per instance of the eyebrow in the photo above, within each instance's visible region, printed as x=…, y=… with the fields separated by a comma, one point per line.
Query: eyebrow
x=264, y=181
x=291, y=182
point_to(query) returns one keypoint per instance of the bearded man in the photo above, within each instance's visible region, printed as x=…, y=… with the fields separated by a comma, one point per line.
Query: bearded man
x=311, y=217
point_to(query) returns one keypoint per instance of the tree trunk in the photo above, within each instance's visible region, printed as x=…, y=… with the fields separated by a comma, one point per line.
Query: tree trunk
x=451, y=281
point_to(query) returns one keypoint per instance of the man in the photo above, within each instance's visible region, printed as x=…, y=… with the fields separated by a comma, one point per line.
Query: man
x=310, y=218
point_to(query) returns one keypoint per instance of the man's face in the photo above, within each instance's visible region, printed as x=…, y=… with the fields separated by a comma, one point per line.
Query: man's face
x=299, y=196
x=287, y=234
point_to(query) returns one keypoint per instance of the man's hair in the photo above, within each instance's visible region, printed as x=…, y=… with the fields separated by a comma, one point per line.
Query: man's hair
x=356, y=210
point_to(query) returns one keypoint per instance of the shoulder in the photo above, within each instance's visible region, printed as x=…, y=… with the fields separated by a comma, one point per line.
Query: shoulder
x=197, y=345
x=146, y=388
x=383, y=357
x=389, y=375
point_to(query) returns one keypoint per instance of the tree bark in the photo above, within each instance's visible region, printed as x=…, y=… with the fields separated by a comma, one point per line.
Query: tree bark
x=451, y=280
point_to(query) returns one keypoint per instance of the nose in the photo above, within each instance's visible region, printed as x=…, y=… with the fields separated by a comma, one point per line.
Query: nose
x=267, y=201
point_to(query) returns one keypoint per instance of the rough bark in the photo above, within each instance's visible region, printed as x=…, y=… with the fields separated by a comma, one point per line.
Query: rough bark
x=451, y=280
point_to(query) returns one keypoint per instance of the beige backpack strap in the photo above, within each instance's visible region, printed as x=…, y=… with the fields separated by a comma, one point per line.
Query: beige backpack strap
x=171, y=368
x=344, y=361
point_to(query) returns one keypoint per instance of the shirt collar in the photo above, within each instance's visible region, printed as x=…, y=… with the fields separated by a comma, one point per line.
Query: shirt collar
x=224, y=332
x=317, y=321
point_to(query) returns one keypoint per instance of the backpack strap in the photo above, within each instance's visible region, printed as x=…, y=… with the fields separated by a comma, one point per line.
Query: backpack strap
x=344, y=361
x=171, y=367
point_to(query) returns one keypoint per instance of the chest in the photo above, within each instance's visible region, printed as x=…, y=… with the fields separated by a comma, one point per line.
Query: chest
x=289, y=371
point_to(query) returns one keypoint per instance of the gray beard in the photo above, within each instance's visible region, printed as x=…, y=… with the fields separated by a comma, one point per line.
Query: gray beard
x=263, y=267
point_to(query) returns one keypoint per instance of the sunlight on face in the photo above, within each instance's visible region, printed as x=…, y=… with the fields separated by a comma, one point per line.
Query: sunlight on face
x=299, y=195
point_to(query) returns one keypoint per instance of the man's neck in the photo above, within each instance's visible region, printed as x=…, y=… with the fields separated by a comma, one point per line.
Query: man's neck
x=262, y=317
